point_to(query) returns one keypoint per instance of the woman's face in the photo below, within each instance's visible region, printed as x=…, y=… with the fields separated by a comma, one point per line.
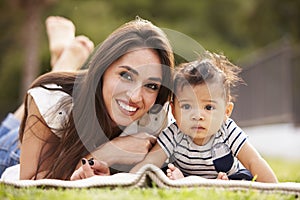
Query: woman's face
x=131, y=85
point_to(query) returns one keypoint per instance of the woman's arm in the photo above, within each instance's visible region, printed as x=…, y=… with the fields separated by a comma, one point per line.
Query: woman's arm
x=37, y=139
x=156, y=157
x=126, y=150
x=253, y=161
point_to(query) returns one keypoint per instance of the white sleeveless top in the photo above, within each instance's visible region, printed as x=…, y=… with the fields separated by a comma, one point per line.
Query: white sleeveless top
x=49, y=102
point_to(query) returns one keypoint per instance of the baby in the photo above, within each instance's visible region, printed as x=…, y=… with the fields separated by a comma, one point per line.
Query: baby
x=204, y=140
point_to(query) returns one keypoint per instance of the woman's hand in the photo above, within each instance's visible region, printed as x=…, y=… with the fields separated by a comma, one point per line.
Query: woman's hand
x=90, y=168
x=126, y=150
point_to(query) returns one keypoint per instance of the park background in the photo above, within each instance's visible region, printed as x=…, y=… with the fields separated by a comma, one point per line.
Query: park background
x=260, y=36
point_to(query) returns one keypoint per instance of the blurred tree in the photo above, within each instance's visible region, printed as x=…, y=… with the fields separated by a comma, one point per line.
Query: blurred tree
x=31, y=31
x=273, y=19
x=20, y=42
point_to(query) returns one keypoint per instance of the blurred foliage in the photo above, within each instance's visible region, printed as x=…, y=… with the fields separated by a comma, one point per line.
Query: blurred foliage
x=232, y=26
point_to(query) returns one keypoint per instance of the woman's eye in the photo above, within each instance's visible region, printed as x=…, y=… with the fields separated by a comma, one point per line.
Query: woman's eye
x=185, y=106
x=209, y=107
x=126, y=76
x=153, y=86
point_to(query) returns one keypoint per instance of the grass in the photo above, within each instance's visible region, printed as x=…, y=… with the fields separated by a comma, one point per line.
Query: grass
x=286, y=171
x=130, y=194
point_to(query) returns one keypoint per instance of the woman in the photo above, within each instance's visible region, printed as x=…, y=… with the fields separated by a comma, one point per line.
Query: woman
x=68, y=53
x=129, y=74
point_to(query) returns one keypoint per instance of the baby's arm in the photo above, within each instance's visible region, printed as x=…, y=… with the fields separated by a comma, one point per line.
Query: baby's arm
x=253, y=161
x=156, y=156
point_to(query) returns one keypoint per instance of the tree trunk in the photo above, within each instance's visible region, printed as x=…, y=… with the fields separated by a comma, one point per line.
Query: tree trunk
x=31, y=41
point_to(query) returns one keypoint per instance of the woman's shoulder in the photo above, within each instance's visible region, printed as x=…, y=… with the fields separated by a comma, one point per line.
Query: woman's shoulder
x=47, y=96
x=50, y=100
x=47, y=88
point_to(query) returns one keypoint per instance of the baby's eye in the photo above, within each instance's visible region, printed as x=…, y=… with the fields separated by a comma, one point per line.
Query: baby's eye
x=153, y=86
x=186, y=106
x=126, y=76
x=209, y=107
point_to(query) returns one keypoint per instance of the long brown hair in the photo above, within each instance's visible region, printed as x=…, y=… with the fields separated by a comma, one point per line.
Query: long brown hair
x=89, y=123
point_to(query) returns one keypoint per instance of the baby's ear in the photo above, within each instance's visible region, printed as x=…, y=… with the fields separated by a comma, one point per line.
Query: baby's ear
x=172, y=107
x=229, y=109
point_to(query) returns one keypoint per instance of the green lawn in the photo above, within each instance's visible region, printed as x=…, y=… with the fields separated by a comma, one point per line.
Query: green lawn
x=285, y=170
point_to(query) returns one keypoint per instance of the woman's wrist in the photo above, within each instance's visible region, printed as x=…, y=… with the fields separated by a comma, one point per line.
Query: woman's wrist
x=103, y=153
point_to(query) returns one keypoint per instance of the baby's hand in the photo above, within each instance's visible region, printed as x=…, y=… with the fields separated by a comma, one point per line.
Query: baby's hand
x=173, y=172
x=222, y=176
x=90, y=168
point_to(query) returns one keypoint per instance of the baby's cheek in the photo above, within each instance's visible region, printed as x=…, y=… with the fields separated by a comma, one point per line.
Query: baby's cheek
x=183, y=125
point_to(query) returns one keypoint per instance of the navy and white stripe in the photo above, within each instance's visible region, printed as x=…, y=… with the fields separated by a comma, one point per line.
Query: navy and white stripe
x=197, y=160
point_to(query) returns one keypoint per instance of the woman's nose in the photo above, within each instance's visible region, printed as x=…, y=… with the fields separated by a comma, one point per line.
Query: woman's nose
x=135, y=94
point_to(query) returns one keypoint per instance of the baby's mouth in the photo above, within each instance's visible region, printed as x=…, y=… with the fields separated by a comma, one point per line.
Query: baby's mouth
x=198, y=128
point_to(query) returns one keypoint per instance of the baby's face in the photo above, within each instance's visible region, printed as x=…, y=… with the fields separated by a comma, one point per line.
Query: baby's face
x=200, y=111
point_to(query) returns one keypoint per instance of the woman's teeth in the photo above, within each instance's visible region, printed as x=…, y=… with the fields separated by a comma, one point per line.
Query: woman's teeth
x=127, y=107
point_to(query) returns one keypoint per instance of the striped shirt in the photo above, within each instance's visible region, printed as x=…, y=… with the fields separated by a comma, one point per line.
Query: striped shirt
x=193, y=159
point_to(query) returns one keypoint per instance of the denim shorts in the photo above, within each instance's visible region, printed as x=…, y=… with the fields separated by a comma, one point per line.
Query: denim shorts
x=8, y=124
x=9, y=142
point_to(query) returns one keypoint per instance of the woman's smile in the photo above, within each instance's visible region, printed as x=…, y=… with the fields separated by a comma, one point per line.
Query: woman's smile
x=127, y=108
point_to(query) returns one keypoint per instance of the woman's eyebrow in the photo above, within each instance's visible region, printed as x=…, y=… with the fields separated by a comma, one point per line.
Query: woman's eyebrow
x=130, y=69
x=155, y=79
x=137, y=73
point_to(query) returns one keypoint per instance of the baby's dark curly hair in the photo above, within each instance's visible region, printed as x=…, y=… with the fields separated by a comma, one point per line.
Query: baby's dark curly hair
x=209, y=68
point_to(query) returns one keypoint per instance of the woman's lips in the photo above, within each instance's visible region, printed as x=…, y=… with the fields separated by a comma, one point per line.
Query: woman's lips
x=127, y=108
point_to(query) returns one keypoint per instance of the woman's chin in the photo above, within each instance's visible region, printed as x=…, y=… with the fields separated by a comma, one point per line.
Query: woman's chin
x=123, y=122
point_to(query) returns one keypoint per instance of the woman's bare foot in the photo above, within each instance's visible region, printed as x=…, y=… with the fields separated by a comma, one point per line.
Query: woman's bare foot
x=61, y=32
x=74, y=54
x=173, y=172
